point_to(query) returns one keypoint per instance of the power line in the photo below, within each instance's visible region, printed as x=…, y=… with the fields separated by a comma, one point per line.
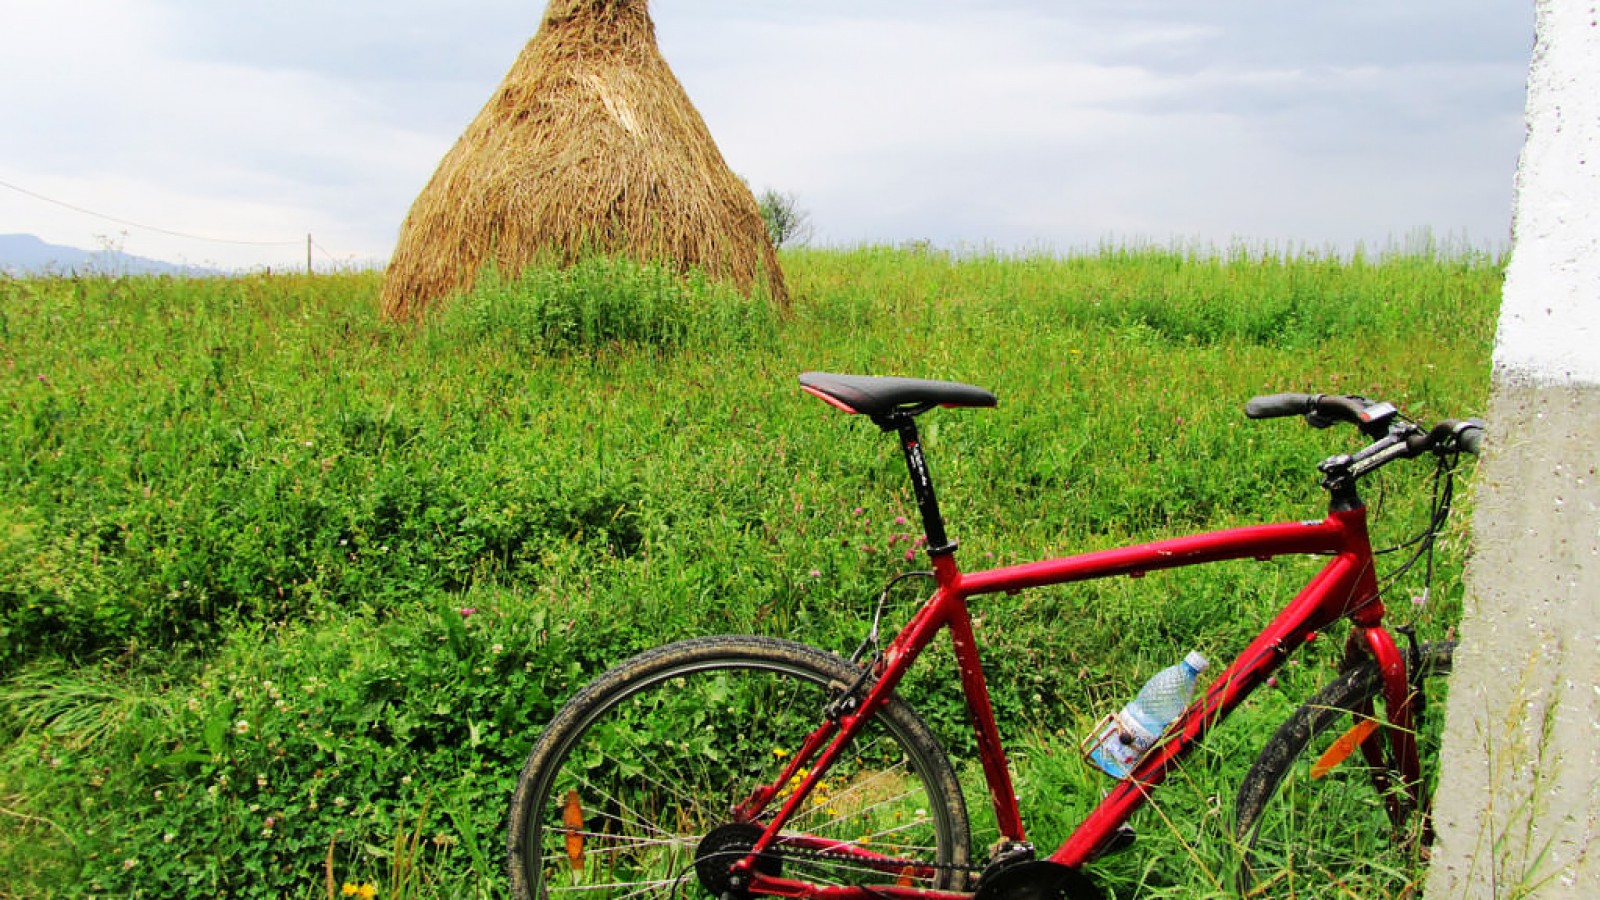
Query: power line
x=131, y=224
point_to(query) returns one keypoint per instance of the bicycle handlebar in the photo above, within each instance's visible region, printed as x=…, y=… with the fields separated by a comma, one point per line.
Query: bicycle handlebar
x=1323, y=410
x=1449, y=435
x=1375, y=419
x=1276, y=406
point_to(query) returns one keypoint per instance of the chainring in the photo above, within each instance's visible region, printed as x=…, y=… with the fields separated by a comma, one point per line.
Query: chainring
x=1037, y=879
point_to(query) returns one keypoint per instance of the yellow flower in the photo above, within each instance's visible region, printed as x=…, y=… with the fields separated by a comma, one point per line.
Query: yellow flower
x=349, y=889
x=367, y=892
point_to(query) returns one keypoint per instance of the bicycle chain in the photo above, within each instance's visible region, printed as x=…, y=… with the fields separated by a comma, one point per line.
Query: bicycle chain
x=801, y=853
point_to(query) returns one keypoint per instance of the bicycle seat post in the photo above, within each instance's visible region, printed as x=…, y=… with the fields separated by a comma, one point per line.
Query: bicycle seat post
x=904, y=423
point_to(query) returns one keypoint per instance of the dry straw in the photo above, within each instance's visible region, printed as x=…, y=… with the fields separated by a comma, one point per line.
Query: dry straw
x=589, y=145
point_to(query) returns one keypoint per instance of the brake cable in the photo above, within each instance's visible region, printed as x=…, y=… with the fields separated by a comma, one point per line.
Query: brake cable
x=1443, y=496
x=871, y=639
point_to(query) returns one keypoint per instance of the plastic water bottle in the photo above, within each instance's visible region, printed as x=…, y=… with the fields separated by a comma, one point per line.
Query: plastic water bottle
x=1123, y=739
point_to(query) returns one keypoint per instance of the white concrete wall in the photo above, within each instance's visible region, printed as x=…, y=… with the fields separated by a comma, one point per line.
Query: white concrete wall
x=1518, y=801
x=1550, y=320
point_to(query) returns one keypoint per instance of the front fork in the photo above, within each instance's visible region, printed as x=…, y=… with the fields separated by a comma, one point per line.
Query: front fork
x=1403, y=702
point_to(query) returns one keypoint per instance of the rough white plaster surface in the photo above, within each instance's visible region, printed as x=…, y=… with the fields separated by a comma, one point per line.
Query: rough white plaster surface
x=1518, y=800
x=1550, y=317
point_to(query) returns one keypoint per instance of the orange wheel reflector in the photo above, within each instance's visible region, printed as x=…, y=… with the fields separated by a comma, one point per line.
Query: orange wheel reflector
x=1343, y=747
x=572, y=817
x=908, y=878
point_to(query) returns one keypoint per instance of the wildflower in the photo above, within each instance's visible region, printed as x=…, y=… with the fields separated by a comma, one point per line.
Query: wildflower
x=405, y=780
x=911, y=555
x=468, y=612
x=857, y=511
x=815, y=573
x=900, y=520
x=168, y=838
x=779, y=752
x=129, y=863
x=497, y=649
x=340, y=801
x=241, y=727
x=364, y=890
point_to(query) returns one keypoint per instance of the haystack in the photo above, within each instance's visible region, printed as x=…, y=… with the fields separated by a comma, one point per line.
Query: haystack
x=589, y=146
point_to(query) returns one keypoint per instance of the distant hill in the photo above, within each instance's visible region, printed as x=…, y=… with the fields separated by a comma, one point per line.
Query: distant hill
x=24, y=254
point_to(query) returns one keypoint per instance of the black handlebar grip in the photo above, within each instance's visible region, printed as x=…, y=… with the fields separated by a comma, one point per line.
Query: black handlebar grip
x=1469, y=436
x=1274, y=406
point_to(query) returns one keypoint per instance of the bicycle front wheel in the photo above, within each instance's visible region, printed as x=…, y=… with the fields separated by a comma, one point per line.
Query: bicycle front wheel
x=639, y=767
x=1310, y=819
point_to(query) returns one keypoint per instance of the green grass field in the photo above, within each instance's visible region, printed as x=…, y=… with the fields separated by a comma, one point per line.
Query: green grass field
x=287, y=592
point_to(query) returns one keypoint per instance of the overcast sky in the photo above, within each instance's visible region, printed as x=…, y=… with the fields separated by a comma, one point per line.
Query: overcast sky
x=1013, y=124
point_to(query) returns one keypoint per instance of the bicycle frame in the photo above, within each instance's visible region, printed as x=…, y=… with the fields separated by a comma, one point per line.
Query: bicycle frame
x=1345, y=587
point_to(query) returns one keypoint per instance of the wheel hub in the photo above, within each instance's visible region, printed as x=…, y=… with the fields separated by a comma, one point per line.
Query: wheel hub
x=721, y=848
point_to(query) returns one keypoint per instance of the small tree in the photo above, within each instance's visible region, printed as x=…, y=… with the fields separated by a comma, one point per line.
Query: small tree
x=786, y=221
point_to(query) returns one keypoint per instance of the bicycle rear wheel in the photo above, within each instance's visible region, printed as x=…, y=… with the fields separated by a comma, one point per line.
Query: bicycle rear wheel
x=641, y=765
x=1309, y=832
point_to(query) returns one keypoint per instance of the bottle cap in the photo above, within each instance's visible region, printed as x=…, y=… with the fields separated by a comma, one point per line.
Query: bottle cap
x=1196, y=661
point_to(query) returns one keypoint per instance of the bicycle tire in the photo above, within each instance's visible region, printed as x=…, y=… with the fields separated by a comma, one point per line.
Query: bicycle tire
x=657, y=762
x=1305, y=837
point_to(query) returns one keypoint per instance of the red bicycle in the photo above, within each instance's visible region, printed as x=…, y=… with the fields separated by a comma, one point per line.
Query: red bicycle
x=750, y=766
